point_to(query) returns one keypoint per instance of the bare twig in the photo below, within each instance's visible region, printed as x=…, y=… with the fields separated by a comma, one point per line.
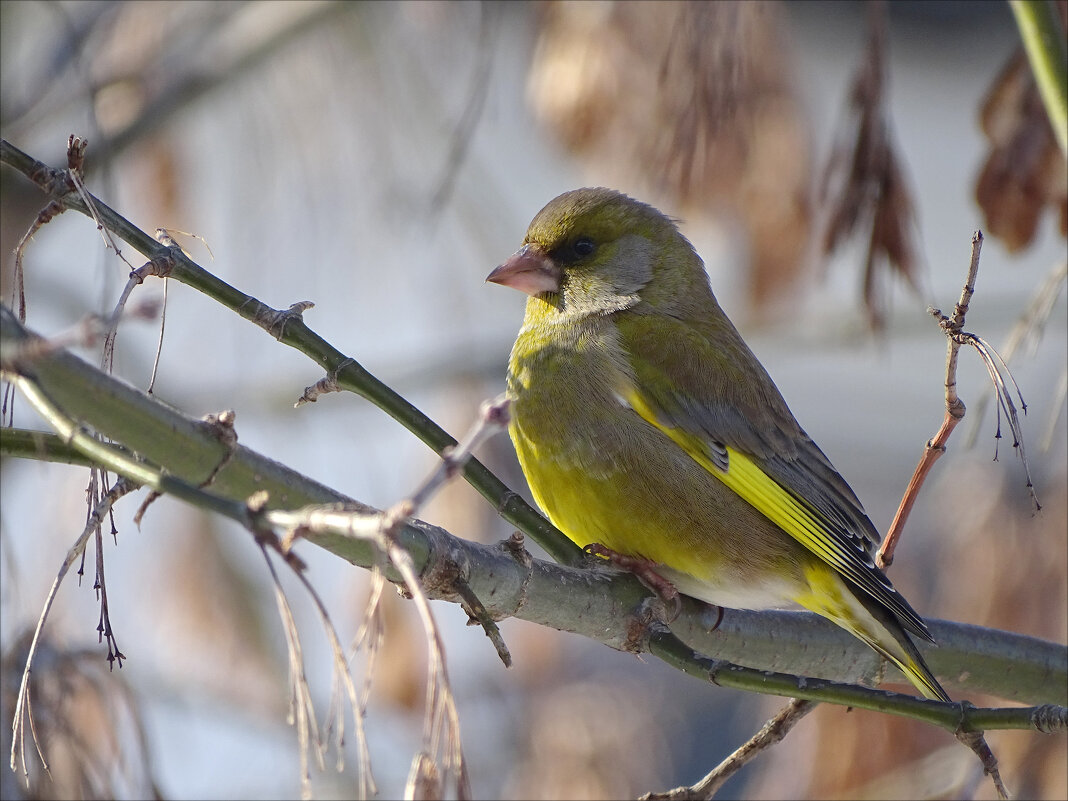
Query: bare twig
x=342, y=679
x=302, y=713
x=76, y=147
x=1000, y=378
x=953, y=327
x=86, y=333
x=18, y=289
x=301, y=708
x=104, y=629
x=441, y=739
x=1025, y=336
x=955, y=409
x=369, y=636
x=771, y=733
x=493, y=417
x=165, y=237
x=480, y=616
x=975, y=741
x=222, y=428
x=23, y=710
x=159, y=342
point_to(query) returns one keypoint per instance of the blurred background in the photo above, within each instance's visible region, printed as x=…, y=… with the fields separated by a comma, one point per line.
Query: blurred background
x=830, y=161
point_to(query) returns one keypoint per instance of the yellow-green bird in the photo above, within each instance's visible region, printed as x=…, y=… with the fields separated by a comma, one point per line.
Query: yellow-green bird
x=645, y=424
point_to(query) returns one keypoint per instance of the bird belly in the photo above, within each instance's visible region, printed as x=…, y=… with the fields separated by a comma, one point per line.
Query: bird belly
x=603, y=474
x=760, y=592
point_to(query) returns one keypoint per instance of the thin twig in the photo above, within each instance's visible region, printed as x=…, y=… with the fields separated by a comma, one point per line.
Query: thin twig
x=480, y=616
x=977, y=743
x=955, y=409
x=104, y=630
x=493, y=417
x=342, y=676
x=159, y=342
x=1025, y=336
x=301, y=707
x=86, y=333
x=441, y=722
x=771, y=733
x=76, y=147
x=954, y=329
x=22, y=704
x=370, y=636
x=165, y=237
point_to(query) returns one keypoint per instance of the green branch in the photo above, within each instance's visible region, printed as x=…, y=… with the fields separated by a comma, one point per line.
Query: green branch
x=178, y=454
x=290, y=329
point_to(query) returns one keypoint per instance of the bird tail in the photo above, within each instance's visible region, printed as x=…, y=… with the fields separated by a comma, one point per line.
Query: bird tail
x=905, y=655
x=832, y=596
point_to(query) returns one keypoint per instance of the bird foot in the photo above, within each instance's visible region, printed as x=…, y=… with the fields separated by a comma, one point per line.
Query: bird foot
x=645, y=571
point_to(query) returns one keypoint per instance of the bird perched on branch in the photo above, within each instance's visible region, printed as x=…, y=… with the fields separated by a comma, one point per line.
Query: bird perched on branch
x=647, y=429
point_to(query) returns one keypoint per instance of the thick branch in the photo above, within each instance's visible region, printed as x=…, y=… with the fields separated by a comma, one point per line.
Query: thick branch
x=593, y=602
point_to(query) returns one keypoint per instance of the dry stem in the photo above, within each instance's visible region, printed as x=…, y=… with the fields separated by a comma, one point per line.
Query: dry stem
x=771, y=733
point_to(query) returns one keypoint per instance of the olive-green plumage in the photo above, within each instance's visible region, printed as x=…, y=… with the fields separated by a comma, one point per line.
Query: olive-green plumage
x=643, y=422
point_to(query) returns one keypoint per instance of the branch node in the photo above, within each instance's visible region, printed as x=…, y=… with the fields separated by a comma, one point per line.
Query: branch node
x=1049, y=718
x=515, y=547
x=278, y=319
x=323, y=386
x=640, y=623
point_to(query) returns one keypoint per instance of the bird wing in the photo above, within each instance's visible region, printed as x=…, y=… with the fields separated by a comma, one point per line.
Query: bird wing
x=705, y=399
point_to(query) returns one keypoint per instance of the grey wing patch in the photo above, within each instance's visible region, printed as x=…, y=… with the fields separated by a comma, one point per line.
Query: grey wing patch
x=798, y=465
x=721, y=426
x=680, y=413
x=813, y=481
x=810, y=474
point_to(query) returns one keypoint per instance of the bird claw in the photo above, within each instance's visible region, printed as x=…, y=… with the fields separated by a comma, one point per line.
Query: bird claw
x=645, y=571
x=719, y=617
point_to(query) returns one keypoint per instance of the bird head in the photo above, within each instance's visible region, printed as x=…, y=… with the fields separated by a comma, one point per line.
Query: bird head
x=597, y=251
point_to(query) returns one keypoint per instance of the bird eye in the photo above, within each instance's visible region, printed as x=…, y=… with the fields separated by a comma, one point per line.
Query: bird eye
x=583, y=246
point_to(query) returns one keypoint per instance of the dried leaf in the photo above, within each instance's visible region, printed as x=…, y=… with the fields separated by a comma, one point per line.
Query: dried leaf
x=692, y=103
x=864, y=190
x=1024, y=172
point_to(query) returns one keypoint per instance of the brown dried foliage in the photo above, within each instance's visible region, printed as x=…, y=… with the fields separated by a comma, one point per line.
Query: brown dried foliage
x=692, y=102
x=1024, y=173
x=88, y=721
x=864, y=189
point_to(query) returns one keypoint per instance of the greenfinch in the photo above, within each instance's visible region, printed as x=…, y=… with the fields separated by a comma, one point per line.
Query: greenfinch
x=646, y=426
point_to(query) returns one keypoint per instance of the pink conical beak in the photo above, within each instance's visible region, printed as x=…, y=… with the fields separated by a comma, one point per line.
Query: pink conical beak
x=529, y=270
